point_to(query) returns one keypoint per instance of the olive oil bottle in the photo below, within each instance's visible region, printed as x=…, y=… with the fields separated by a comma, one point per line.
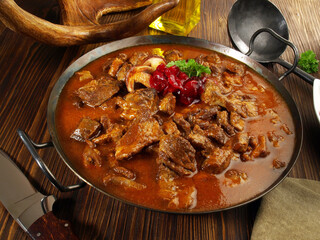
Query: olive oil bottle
x=179, y=20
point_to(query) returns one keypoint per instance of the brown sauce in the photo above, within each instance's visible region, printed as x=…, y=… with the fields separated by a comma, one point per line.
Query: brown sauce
x=213, y=191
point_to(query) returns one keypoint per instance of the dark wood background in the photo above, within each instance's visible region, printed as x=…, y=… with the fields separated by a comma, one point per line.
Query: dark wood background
x=28, y=71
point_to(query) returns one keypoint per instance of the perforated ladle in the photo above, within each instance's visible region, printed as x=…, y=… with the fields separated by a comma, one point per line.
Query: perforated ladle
x=260, y=26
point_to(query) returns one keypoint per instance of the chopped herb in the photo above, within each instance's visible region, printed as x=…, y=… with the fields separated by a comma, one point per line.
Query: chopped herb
x=190, y=67
x=308, y=62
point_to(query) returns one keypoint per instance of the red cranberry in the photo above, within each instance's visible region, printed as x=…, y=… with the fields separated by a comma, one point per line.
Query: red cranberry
x=158, y=81
x=165, y=80
x=183, y=77
x=174, y=70
x=186, y=100
x=191, y=88
x=161, y=67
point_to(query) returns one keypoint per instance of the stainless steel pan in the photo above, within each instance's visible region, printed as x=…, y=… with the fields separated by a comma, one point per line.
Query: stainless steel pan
x=147, y=40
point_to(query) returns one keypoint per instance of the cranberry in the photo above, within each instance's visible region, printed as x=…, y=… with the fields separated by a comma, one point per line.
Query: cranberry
x=202, y=82
x=183, y=77
x=186, y=100
x=168, y=89
x=174, y=70
x=161, y=67
x=187, y=90
x=191, y=88
x=167, y=72
x=158, y=81
x=175, y=82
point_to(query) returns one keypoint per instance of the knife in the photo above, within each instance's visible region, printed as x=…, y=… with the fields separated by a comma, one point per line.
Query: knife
x=31, y=209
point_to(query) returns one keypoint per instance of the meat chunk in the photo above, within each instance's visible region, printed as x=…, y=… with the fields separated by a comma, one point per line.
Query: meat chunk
x=274, y=117
x=152, y=149
x=113, y=134
x=234, y=177
x=124, y=172
x=230, y=79
x=84, y=75
x=105, y=121
x=168, y=104
x=98, y=91
x=278, y=164
x=222, y=119
x=113, y=103
x=177, y=153
x=115, y=66
x=286, y=129
x=122, y=181
x=91, y=157
x=112, y=65
x=242, y=104
x=139, y=101
x=122, y=73
x=144, y=131
x=236, y=68
x=217, y=161
x=213, y=61
x=213, y=131
x=251, y=108
x=234, y=74
x=212, y=94
x=275, y=138
x=213, y=58
x=198, y=139
x=241, y=142
x=257, y=148
x=169, y=127
x=138, y=58
x=208, y=113
x=172, y=55
x=261, y=149
x=86, y=129
x=183, y=125
x=203, y=114
x=236, y=121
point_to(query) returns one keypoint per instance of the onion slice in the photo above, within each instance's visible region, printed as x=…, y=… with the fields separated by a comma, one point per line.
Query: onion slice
x=141, y=74
x=154, y=62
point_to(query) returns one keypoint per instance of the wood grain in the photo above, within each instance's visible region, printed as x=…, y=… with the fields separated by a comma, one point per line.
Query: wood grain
x=28, y=71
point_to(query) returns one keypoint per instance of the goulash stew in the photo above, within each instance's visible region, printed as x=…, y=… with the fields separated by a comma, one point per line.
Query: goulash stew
x=174, y=127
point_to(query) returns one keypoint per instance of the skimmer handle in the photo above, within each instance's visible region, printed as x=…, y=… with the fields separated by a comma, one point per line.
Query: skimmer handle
x=277, y=36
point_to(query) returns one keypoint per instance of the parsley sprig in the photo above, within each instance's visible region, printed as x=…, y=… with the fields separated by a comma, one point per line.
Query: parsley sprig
x=308, y=62
x=190, y=67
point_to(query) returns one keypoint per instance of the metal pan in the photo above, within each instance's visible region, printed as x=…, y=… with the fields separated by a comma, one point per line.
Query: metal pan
x=147, y=40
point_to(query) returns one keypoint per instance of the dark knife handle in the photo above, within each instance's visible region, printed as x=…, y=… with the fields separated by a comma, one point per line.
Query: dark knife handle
x=50, y=227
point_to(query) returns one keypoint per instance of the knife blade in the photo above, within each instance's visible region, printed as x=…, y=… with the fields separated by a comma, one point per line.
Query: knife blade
x=31, y=209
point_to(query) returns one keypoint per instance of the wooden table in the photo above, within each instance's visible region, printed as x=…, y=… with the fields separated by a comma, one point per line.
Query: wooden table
x=28, y=71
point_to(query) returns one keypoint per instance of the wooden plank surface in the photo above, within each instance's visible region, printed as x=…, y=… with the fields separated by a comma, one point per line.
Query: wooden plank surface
x=28, y=71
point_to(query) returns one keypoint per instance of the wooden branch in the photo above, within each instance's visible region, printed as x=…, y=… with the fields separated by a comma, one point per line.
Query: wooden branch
x=21, y=21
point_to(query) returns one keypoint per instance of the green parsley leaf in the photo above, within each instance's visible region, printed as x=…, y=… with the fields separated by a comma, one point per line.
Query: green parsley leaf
x=190, y=67
x=308, y=62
